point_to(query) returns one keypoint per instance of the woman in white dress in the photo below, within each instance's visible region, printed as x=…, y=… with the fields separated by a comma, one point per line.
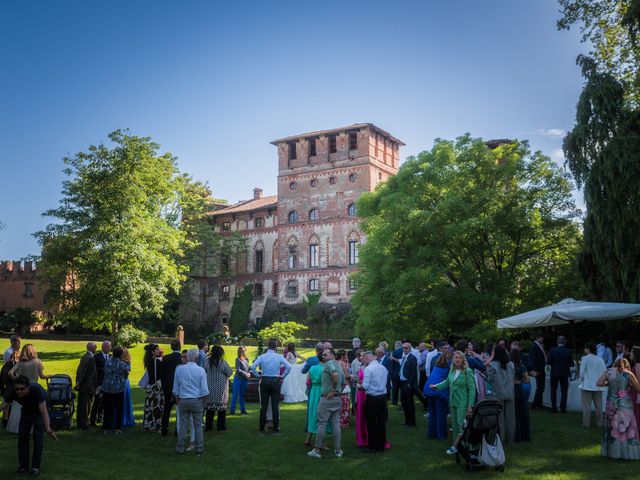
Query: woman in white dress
x=294, y=385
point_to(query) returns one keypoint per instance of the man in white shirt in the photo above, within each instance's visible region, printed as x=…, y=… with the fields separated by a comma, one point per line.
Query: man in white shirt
x=191, y=391
x=14, y=347
x=591, y=367
x=374, y=383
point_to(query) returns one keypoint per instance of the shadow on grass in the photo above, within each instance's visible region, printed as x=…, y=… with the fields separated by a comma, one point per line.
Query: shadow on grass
x=58, y=356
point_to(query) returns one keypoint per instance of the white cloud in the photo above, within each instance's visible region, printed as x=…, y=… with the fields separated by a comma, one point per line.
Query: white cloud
x=552, y=132
x=557, y=155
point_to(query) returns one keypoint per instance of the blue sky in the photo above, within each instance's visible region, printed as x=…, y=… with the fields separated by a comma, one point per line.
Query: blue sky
x=214, y=82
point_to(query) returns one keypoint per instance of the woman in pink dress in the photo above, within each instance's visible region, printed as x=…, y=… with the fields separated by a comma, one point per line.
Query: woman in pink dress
x=361, y=424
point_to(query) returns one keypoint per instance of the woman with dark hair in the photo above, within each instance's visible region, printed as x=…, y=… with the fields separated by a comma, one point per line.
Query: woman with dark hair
x=115, y=373
x=438, y=400
x=218, y=373
x=343, y=361
x=621, y=430
x=501, y=376
x=240, y=380
x=154, y=397
x=522, y=390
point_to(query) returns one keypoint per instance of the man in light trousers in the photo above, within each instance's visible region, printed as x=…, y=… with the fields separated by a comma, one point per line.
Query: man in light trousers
x=190, y=391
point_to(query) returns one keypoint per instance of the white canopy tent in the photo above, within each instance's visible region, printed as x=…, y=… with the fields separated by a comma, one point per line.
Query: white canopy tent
x=569, y=311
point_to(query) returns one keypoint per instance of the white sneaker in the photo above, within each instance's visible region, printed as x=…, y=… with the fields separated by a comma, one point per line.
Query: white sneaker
x=339, y=453
x=314, y=453
x=452, y=450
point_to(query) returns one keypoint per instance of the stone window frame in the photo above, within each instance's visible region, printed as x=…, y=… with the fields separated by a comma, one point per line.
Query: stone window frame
x=292, y=289
x=293, y=185
x=292, y=151
x=353, y=177
x=258, y=290
x=333, y=143
x=332, y=180
x=313, y=214
x=258, y=248
x=351, y=210
x=225, y=293
x=313, y=182
x=275, y=289
x=226, y=226
x=353, y=140
x=293, y=254
x=258, y=222
x=292, y=217
x=311, y=147
x=353, y=244
x=313, y=285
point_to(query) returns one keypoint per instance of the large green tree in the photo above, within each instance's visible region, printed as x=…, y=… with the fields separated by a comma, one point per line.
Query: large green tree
x=463, y=235
x=611, y=28
x=112, y=252
x=603, y=152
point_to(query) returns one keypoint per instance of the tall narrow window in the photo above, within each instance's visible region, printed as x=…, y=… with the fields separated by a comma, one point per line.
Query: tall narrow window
x=353, y=252
x=352, y=284
x=351, y=210
x=314, y=285
x=292, y=151
x=332, y=144
x=257, y=290
x=259, y=262
x=353, y=141
x=312, y=147
x=293, y=257
x=293, y=216
x=313, y=255
x=28, y=290
x=275, y=290
x=224, y=292
x=313, y=214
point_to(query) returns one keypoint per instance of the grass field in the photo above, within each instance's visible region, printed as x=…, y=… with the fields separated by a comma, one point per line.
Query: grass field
x=560, y=448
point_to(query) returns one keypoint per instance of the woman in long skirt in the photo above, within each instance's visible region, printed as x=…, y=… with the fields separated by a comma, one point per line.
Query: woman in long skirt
x=154, y=397
x=361, y=423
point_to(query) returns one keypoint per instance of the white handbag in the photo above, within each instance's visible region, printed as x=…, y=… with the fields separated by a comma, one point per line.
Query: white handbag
x=491, y=455
x=144, y=380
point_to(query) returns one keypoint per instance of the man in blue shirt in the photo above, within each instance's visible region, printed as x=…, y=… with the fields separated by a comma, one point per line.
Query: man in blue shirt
x=270, y=382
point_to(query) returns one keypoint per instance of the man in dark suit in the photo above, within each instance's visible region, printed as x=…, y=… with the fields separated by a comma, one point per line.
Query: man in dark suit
x=100, y=358
x=394, y=372
x=86, y=383
x=169, y=364
x=538, y=362
x=408, y=376
x=560, y=359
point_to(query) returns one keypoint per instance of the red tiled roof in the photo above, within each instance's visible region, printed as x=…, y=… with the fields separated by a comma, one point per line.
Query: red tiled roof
x=248, y=205
x=355, y=126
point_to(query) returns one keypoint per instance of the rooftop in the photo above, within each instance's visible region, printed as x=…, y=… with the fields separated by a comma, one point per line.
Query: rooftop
x=248, y=205
x=355, y=126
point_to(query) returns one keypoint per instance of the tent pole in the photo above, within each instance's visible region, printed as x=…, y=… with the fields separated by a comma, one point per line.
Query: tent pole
x=573, y=336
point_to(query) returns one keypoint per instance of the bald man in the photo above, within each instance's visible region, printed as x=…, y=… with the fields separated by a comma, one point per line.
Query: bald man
x=86, y=383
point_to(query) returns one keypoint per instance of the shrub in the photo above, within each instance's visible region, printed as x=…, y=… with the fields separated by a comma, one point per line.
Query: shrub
x=128, y=336
x=283, y=332
x=18, y=320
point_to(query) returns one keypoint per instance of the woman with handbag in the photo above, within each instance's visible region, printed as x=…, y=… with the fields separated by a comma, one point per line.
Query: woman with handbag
x=154, y=398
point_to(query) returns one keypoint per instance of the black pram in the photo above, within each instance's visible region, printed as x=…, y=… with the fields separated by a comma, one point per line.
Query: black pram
x=60, y=398
x=484, y=422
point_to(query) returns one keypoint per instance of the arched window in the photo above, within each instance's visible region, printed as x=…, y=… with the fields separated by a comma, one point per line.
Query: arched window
x=354, y=241
x=293, y=216
x=313, y=214
x=352, y=177
x=293, y=254
x=351, y=210
x=314, y=285
x=292, y=288
x=258, y=259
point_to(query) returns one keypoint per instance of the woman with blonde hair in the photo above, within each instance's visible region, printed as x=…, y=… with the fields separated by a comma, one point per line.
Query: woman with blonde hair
x=462, y=395
x=29, y=365
x=127, y=402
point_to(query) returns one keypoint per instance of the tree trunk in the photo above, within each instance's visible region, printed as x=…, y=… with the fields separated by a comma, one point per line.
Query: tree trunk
x=114, y=330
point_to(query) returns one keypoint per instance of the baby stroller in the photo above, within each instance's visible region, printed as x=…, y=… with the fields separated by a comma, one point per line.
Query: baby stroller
x=60, y=398
x=480, y=445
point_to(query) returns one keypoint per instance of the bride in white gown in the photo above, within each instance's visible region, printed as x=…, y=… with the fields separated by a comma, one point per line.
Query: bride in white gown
x=294, y=385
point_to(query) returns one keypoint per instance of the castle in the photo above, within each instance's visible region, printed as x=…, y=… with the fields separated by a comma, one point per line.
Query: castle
x=304, y=240
x=19, y=287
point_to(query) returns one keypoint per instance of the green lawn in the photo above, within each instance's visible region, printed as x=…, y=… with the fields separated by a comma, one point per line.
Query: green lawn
x=560, y=449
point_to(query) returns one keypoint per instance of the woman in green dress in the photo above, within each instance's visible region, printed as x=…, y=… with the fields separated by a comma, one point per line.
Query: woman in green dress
x=462, y=395
x=315, y=375
x=620, y=428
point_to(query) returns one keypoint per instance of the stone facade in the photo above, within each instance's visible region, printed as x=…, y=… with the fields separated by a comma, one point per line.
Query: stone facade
x=19, y=287
x=305, y=240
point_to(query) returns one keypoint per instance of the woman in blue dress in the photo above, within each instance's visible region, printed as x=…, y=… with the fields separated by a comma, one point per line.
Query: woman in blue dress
x=127, y=407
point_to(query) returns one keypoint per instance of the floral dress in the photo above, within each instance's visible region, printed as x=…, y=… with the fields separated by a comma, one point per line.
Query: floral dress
x=620, y=428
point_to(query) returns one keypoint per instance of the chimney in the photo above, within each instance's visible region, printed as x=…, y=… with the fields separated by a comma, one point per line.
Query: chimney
x=257, y=193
